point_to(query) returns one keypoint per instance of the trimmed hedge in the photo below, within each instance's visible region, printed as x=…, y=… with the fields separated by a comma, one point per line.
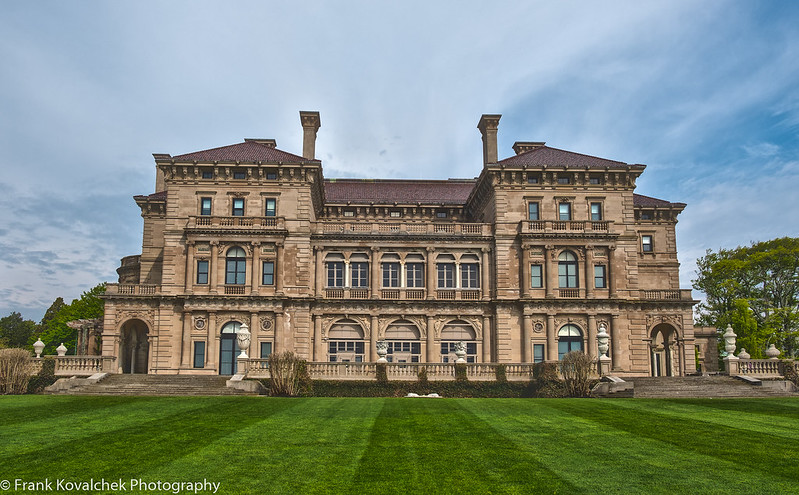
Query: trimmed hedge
x=45, y=378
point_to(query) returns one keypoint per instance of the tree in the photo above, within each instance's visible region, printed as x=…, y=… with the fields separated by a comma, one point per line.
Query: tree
x=54, y=329
x=756, y=290
x=15, y=331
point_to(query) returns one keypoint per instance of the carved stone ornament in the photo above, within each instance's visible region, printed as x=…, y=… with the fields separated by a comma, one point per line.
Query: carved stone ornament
x=199, y=322
x=538, y=327
x=266, y=324
x=382, y=350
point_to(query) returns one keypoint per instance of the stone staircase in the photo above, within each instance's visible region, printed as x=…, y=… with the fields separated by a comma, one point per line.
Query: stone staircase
x=162, y=385
x=716, y=386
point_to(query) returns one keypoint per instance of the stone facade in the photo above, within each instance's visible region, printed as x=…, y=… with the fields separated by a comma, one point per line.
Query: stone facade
x=523, y=263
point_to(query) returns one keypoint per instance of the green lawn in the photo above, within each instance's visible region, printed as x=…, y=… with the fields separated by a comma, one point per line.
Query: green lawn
x=319, y=445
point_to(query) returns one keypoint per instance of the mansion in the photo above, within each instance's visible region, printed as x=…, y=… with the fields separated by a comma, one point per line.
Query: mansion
x=526, y=262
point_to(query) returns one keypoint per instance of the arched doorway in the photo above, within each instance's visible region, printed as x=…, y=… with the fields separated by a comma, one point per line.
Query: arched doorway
x=661, y=351
x=570, y=338
x=134, y=346
x=345, y=342
x=228, y=348
x=454, y=332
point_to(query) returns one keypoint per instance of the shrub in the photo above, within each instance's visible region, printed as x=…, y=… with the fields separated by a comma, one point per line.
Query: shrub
x=501, y=373
x=422, y=376
x=460, y=372
x=45, y=378
x=789, y=372
x=575, y=368
x=382, y=374
x=288, y=374
x=15, y=370
x=370, y=388
x=545, y=382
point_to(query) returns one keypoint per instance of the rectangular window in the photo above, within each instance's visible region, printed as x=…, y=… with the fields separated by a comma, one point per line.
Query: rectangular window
x=238, y=207
x=441, y=214
x=266, y=350
x=538, y=353
x=600, y=277
x=470, y=276
x=349, y=213
x=414, y=274
x=567, y=274
x=391, y=274
x=395, y=213
x=271, y=176
x=271, y=207
x=202, y=271
x=646, y=243
x=595, y=179
x=536, y=277
x=532, y=211
x=239, y=174
x=596, y=212
x=268, y=273
x=564, y=179
x=533, y=179
x=335, y=274
x=199, y=354
x=205, y=206
x=446, y=275
x=360, y=274
x=208, y=174
x=564, y=211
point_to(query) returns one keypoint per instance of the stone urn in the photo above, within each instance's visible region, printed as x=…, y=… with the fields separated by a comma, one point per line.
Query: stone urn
x=460, y=351
x=602, y=340
x=38, y=347
x=729, y=341
x=743, y=354
x=243, y=338
x=772, y=352
x=61, y=350
x=382, y=350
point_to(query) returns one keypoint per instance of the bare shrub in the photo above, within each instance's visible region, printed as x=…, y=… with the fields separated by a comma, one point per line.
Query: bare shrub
x=15, y=370
x=575, y=369
x=288, y=374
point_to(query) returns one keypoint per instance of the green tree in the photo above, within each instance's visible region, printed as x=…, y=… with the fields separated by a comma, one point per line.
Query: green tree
x=15, y=331
x=54, y=329
x=763, y=277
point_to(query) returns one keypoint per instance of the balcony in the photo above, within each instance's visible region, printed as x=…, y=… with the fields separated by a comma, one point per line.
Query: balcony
x=339, y=293
x=236, y=223
x=403, y=294
x=132, y=289
x=560, y=227
x=403, y=228
x=667, y=295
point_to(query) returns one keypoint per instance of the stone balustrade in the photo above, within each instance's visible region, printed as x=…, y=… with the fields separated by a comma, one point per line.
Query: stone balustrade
x=405, y=228
x=132, y=289
x=83, y=365
x=563, y=226
x=204, y=222
x=764, y=368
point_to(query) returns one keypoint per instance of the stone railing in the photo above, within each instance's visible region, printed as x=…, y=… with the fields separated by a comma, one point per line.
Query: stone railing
x=403, y=294
x=563, y=226
x=215, y=222
x=764, y=368
x=132, y=289
x=83, y=365
x=426, y=228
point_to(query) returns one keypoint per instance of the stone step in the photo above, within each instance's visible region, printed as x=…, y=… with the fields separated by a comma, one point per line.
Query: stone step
x=161, y=385
x=700, y=386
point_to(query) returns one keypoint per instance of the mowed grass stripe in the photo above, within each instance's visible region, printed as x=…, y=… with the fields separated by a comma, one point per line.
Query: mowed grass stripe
x=312, y=447
x=150, y=441
x=642, y=418
x=23, y=409
x=435, y=445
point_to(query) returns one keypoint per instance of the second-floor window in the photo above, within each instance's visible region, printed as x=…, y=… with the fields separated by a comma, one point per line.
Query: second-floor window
x=268, y=273
x=536, y=278
x=415, y=275
x=335, y=274
x=532, y=211
x=205, y=206
x=446, y=275
x=202, y=271
x=271, y=207
x=600, y=277
x=646, y=244
x=235, y=266
x=470, y=276
x=360, y=274
x=391, y=274
x=567, y=270
x=564, y=211
x=238, y=207
x=596, y=211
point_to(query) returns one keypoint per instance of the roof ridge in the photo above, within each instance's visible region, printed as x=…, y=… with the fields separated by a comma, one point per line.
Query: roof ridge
x=576, y=153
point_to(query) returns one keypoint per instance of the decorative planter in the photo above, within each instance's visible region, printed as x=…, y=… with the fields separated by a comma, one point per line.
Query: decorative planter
x=772, y=352
x=382, y=350
x=243, y=337
x=460, y=351
x=38, y=347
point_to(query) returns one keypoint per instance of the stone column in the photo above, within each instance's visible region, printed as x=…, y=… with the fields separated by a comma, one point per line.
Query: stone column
x=593, y=349
x=347, y=274
x=551, y=269
x=589, y=271
x=279, y=331
x=527, y=331
x=613, y=276
x=279, y=265
x=431, y=273
x=185, y=343
x=525, y=281
x=213, y=266
x=373, y=337
x=189, y=265
x=318, y=345
x=211, y=345
x=255, y=332
x=485, y=272
x=374, y=283
x=431, y=354
x=257, y=269
x=487, y=334
x=552, y=339
x=615, y=342
x=320, y=267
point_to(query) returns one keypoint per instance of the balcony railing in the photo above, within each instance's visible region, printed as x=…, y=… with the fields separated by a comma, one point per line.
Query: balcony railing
x=381, y=228
x=667, y=294
x=83, y=365
x=235, y=290
x=132, y=289
x=261, y=223
x=564, y=226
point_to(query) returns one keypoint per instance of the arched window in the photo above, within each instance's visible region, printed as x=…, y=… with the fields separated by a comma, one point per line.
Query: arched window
x=454, y=332
x=235, y=266
x=228, y=347
x=570, y=338
x=345, y=341
x=567, y=270
x=404, y=342
x=334, y=262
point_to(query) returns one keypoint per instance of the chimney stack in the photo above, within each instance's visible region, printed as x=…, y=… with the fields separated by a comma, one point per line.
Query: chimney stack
x=488, y=128
x=310, y=124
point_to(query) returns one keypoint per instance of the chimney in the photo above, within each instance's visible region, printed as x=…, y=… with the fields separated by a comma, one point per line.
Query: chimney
x=488, y=128
x=310, y=124
x=524, y=146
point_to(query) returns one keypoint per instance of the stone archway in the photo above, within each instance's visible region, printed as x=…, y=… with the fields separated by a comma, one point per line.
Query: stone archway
x=663, y=351
x=134, y=346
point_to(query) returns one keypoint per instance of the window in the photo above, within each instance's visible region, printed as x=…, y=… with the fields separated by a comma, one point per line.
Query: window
x=271, y=207
x=646, y=215
x=441, y=214
x=208, y=174
x=395, y=213
x=345, y=351
x=536, y=277
x=268, y=273
x=239, y=174
x=266, y=350
x=235, y=266
x=646, y=243
x=335, y=274
x=596, y=212
x=533, y=179
x=532, y=211
x=564, y=179
x=414, y=274
x=446, y=275
x=391, y=274
x=470, y=276
x=199, y=354
x=570, y=338
x=271, y=176
x=238, y=207
x=400, y=351
x=360, y=274
x=349, y=213
x=205, y=206
x=202, y=271
x=564, y=211
x=595, y=179
x=538, y=353
x=567, y=270
x=448, y=352
x=600, y=277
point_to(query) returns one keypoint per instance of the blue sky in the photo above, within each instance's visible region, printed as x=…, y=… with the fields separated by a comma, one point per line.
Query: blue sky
x=706, y=94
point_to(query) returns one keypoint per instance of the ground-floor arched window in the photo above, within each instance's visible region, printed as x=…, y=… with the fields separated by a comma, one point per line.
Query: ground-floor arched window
x=454, y=332
x=570, y=338
x=404, y=342
x=345, y=342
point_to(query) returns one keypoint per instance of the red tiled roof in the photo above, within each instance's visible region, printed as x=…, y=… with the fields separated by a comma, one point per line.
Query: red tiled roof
x=248, y=151
x=553, y=157
x=379, y=191
x=646, y=201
